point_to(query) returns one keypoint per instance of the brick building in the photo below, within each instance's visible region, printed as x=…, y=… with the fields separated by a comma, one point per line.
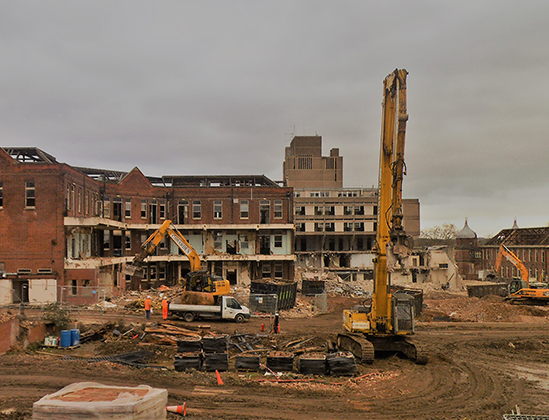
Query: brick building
x=531, y=245
x=468, y=254
x=73, y=229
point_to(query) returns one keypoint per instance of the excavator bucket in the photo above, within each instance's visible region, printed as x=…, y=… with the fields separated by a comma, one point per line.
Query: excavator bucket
x=132, y=270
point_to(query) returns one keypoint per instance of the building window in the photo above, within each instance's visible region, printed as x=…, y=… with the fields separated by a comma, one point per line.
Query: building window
x=106, y=240
x=128, y=209
x=182, y=211
x=278, y=240
x=71, y=197
x=319, y=227
x=244, y=209
x=348, y=210
x=218, y=240
x=107, y=207
x=347, y=227
x=218, y=209
x=128, y=241
x=278, y=270
x=163, y=210
x=68, y=196
x=87, y=202
x=197, y=210
x=1, y=195
x=300, y=211
x=359, y=210
x=300, y=227
x=243, y=239
x=359, y=227
x=330, y=227
x=278, y=209
x=30, y=195
x=79, y=200
x=304, y=162
x=96, y=205
x=329, y=211
x=162, y=272
x=74, y=287
x=319, y=211
x=143, y=209
x=266, y=270
x=443, y=266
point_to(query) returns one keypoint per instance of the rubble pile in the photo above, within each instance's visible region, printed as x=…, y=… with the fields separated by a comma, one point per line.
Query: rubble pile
x=441, y=306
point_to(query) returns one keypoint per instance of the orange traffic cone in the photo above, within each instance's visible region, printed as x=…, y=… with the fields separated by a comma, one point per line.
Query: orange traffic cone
x=219, y=380
x=179, y=409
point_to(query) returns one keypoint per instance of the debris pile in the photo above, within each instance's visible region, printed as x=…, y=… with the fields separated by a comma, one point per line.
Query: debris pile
x=440, y=306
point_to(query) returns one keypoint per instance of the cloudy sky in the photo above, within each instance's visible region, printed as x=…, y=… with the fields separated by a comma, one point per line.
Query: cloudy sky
x=220, y=87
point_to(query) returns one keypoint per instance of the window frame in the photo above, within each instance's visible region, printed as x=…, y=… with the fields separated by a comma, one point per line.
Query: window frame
x=197, y=210
x=218, y=209
x=30, y=195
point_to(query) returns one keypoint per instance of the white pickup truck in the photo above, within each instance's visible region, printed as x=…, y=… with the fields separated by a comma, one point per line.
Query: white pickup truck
x=227, y=308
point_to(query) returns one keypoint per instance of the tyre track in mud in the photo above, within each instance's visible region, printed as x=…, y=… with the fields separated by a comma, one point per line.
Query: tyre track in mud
x=471, y=374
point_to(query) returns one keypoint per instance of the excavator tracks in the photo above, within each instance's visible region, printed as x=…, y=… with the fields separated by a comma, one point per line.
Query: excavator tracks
x=357, y=344
x=364, y=348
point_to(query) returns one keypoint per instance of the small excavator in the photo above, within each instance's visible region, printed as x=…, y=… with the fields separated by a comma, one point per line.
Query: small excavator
x=197, y=280
x=385, y=324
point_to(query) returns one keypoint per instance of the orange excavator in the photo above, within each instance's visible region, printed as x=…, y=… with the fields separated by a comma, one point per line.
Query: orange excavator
x=522, y=291
x=197, y=280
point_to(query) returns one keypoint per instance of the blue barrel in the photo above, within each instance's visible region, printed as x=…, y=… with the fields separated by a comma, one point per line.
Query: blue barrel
x=75, y=337
x=65, y=338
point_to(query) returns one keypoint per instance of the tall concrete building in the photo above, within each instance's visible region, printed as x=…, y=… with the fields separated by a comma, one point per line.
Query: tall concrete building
x=305, y=167
x=335, y=226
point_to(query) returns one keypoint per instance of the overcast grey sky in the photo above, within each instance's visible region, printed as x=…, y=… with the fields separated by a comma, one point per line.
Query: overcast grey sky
x=219, y=87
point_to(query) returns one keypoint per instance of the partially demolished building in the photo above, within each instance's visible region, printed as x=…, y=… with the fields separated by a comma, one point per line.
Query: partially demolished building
x=530, y=245
x=69, y=231
x=335, y=226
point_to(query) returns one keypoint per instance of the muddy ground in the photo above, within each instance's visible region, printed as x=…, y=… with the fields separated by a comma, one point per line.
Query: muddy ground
x=486, y=359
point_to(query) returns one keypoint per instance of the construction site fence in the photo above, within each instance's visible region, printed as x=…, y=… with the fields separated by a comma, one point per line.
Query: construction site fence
x=312, y=287
x=285, y=291
x=267, y=304
x=321, y=302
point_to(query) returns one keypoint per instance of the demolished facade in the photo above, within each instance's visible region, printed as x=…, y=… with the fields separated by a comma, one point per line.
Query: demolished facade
x=72, y=230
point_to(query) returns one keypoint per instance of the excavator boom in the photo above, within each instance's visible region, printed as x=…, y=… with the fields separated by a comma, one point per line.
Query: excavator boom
x=197, y=280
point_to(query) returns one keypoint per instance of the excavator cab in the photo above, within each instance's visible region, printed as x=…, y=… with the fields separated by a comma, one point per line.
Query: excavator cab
x=516, y=285
x=403, y=313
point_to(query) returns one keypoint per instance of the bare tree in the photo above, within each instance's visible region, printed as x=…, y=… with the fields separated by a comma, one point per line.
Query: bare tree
x=446, y=231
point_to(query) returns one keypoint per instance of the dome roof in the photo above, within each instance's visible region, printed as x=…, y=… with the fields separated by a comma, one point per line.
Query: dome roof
x=466, y=232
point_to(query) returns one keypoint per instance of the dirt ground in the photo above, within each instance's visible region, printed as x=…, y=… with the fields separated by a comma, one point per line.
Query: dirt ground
x=486, y=358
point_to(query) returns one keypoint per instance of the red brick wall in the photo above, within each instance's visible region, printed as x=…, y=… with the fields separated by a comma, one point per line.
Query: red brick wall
x=9, y=331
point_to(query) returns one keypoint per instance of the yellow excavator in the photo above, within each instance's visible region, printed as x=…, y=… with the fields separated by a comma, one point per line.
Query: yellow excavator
x=385, y=324
x=197, y=280
x=522, y=291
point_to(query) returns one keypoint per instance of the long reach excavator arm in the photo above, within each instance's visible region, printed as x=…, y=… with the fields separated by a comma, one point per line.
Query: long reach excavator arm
x=383, y=325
